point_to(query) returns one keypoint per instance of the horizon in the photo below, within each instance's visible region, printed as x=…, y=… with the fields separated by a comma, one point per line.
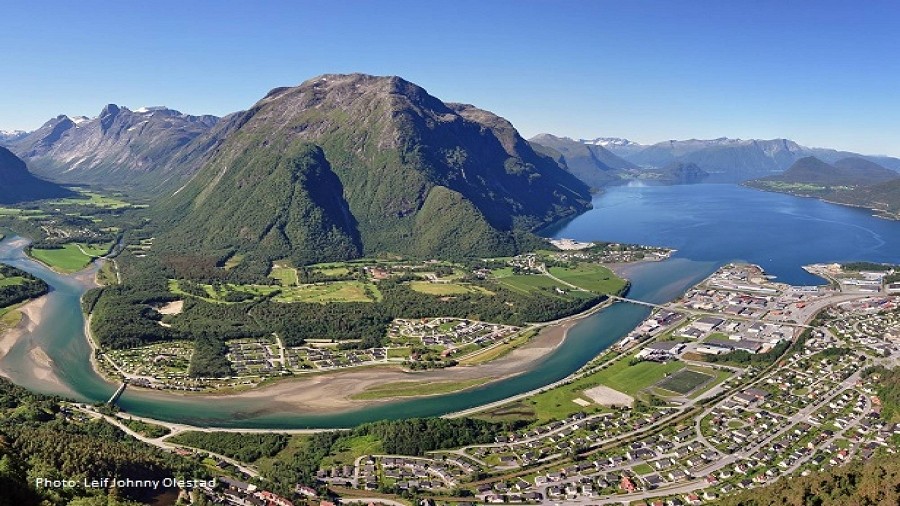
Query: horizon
x=699, y=71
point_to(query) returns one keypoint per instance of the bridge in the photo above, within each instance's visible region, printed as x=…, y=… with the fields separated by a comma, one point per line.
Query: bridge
x=115, y=397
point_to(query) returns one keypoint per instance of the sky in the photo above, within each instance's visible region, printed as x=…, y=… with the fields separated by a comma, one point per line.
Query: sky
x=824, y=73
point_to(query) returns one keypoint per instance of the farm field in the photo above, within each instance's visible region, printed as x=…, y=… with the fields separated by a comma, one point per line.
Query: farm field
x=338, y=291
x=447, y=288
x=96, y=200
x=592, y=277
x=285, y=275
x=72, y=257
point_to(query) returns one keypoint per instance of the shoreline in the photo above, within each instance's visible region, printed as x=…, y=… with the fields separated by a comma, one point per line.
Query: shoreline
x=31, y=315
x=332, y=392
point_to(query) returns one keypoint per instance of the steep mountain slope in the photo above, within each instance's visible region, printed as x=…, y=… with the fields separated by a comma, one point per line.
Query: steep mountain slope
x=120, y=147
x=19, y=185
x=594, y=165
x=417, y=177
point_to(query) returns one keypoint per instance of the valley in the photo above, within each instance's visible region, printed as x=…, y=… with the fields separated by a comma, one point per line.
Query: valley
x=353, y=253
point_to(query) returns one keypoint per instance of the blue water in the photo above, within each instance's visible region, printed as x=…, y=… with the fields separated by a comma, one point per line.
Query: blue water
x=721, y=222
x=708, y=224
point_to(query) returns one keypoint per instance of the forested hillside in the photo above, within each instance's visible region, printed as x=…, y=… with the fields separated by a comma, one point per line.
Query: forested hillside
x=39, y=438
x=872, y=483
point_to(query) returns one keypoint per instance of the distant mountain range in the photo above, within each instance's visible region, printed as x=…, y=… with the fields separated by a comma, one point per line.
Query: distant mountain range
x=594, y=165
x=345, y=165
x=19, y=185
x=735, y=158
x=118, y=148
x=852, y=180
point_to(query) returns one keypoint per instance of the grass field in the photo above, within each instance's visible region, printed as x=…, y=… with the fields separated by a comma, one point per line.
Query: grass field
x=414, y=388
x=685, y=381
x=526, y=284
x=71, y=258
x=94, y=199
x=446, y=288
x=287, y=276
x=338, y=291
x=10, y=281
x=593, y=277
x=629, y=379
x=352, y=448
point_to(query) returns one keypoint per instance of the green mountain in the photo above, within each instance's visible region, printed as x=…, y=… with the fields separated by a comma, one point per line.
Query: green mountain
x=346, y=165
x=882, y=197
x=852, y=180
x=677, y=172
x=19, y=185
x=847, y=172
x=844, y=172
x=594, y=165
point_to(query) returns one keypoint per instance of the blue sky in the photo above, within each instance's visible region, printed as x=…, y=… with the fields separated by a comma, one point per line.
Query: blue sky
x=824, y=73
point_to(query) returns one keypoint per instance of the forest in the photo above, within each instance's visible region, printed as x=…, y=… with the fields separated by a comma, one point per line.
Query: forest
x=14, y=290
x=39, y=437
x=875, y=482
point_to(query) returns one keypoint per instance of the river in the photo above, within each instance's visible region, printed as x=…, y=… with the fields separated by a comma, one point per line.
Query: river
x=708, y=224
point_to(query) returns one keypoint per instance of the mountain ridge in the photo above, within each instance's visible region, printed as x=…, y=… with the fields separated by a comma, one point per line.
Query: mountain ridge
x=412, y=169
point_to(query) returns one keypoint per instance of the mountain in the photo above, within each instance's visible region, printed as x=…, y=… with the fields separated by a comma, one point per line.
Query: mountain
x=678, y=172
x=881, y=197
x=119, y=148
x=845, y=172
x=8, y=136
x=853, y=180
x=594, y=165
x=617, y=145
x=344, y=165
x=19, y=185
x=729, y=159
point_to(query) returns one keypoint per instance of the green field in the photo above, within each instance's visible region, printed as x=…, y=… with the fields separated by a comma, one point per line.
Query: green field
x=94, y=199
x=629, y=379
x=72, y=257
x=531, y=283
x=287, y=276
x=12, y=280
x=352, y=448
x=446, y=288
x=684, y=381
x=338, y=291
x=592, y=277
x=415, y=388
